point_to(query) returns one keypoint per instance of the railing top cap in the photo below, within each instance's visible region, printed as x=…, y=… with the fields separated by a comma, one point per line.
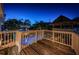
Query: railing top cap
x=68, y=30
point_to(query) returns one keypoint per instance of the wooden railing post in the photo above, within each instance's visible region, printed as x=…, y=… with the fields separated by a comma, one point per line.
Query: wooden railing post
x=18, y=40
x=0, y=39
x=36, y=36
x=53, y=35
x=42, y=37
x=75, y=42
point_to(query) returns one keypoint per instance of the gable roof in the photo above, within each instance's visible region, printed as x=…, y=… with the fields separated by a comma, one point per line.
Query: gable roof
x=61, y=19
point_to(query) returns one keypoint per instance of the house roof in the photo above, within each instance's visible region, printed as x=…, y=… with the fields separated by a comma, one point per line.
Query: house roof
x=61, y=19
x=76, y=19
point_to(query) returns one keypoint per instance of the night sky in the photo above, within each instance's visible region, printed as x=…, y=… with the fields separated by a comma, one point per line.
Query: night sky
x=38, y=12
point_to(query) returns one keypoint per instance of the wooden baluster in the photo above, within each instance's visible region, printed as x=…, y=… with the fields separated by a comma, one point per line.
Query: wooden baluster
x=8, y=37
x=55, y=38
x=53, y=35
x=60, y=37
x=15, y=36
x=63, y=38
x=4, y=40
x=27, y=36
x=68, y=39
x=43, y=35
x=12, y=37
x=36, y=36
x=0, y=39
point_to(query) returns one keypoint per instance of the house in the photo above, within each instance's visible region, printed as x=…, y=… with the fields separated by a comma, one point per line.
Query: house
x=66, y=23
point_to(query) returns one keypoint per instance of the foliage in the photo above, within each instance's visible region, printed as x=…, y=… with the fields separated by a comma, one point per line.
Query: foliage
x=15, y=24
x=41, y=25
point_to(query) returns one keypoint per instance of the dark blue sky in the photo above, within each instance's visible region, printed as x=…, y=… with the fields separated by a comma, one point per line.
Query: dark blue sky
x=37, y=12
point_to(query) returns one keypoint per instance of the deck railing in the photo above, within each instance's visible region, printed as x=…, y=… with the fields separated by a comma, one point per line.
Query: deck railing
x=7, y=39
x=68, y=38
x=61, y=37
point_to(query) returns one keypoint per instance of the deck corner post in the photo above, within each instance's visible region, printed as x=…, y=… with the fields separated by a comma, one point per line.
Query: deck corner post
x=18, y=40
x=75, y=42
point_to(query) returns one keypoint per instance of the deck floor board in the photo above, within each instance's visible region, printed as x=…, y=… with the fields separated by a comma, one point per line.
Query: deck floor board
x=47, y=47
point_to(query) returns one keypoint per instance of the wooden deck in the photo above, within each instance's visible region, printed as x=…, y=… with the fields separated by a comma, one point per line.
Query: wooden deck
x=9, y=51
x=42, y=47
x=46, y=47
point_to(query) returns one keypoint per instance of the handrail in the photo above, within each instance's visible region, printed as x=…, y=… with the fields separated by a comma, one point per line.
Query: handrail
x=65, y=37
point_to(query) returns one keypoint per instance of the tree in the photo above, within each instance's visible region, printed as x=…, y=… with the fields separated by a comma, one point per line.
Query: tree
x=12, y=24
x=41, y=25
x=15, y=24
x=27, y=23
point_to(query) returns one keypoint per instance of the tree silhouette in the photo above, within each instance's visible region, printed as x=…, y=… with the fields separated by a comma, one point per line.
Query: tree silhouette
x=41, y=25
x=15, y=24
x=27, y=23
